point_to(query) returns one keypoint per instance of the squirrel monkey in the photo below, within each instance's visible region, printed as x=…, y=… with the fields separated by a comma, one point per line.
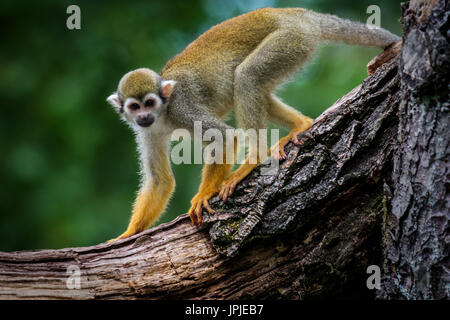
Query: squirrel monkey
x=235, y=64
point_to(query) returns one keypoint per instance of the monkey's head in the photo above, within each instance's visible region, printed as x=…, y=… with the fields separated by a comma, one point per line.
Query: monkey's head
x=141, y=95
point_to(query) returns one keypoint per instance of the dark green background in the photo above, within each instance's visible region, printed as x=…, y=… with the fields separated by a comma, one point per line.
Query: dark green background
x=68, y=173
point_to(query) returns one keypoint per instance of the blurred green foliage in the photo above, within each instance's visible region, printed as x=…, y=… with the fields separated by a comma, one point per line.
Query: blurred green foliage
x=68, y=173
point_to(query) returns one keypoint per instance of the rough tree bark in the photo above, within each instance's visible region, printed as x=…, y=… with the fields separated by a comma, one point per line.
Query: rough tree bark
x=367, y=186
x=417, y=240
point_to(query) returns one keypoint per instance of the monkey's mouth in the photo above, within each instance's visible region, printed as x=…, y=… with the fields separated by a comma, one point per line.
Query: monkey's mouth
x=146, y=122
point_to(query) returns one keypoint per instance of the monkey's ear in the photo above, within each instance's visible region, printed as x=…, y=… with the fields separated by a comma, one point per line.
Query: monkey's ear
x=167, y=87
x=115, y=102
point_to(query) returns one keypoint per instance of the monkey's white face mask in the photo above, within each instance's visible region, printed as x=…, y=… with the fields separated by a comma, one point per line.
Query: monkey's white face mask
x=142, y=112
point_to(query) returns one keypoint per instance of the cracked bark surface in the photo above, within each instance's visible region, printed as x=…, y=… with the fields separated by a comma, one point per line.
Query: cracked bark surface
x=309, y=230
x=417, y=264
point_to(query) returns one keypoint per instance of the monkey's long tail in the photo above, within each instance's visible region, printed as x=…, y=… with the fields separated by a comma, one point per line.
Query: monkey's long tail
x=333, y=28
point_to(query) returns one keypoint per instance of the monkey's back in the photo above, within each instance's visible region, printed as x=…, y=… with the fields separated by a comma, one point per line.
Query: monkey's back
x=228, y=43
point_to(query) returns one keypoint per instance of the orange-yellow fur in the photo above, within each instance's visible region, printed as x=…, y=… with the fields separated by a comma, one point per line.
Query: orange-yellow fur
x=154, y=193
x=147, y=208
x=212, y=177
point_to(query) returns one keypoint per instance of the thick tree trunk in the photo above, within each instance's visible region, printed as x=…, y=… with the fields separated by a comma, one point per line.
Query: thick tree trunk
x=417, y=240
x=360, y=190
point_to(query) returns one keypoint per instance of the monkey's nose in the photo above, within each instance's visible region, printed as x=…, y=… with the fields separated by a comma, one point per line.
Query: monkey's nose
x=145, y=121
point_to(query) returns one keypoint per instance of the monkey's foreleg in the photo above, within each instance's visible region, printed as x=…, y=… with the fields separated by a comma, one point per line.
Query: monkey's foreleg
x=148, y=206
x=212, y=177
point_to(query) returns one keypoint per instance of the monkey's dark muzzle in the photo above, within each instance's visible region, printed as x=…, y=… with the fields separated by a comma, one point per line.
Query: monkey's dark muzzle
x=146, y=121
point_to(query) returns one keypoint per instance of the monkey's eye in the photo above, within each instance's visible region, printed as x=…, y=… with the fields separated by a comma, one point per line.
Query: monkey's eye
x=150, y=103
x=134, y=106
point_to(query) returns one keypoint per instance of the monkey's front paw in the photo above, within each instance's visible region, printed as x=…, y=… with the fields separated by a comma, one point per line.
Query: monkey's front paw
x=228, y=186
x=124, y=235
x=199, y=202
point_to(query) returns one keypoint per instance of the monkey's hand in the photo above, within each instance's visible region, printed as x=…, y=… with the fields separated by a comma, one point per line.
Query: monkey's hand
x=124, y=235
x=199, y=202
x=229, y=184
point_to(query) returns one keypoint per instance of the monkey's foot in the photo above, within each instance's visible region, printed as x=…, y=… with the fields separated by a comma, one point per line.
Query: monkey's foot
x=277, y=150
x=228, y=186
x=199, y=202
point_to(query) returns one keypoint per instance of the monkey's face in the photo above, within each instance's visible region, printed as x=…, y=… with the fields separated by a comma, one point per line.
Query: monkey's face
x=142, y=112
x=141, y=96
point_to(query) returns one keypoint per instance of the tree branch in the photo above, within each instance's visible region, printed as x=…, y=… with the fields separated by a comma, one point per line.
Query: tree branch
x=308, y=230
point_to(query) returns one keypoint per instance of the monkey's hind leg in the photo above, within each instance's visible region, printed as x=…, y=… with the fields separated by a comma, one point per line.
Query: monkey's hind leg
x=285, y=115
x=251, y=113
x=276, y=57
